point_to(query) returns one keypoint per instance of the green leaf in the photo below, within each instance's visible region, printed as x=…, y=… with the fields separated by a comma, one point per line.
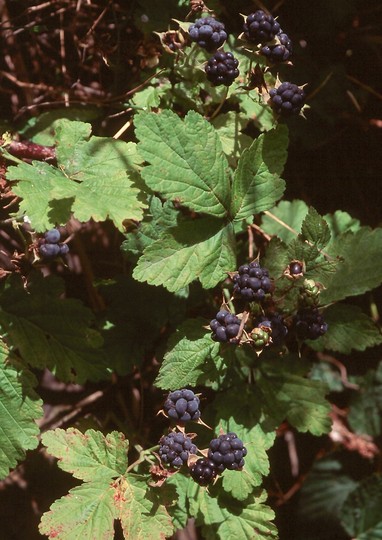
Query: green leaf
x=160, y=217
x=90, y=180
x=322, y=496
x=20, y=407
x=249, y=520
x=285, y=393
x=189, y=351
x=365, y=413
x=276, y=258
x=51, y=332
x=126, y=345
x=244, y=420
x=109, y=493
x=36, y=183
x=186, y=160
x=88, y=455
x=229, y=127
x=314, y=229
x=348, y=329
x=341, y=222
x=361, y=266
x=87, y=512
x=142, y=516
x=285, y=220
x=257, y=184
x=199, y=248
x=361, y=513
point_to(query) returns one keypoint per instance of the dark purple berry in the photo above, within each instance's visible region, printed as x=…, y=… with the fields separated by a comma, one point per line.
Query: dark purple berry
x=225, y=326
x=175, y=448
x=253, y=283
x=287, y=99
x=221, y=69
x=309, y=324
x=203, y=471
x=208, y=33
x=53, y=236
x=49, y=251
x=182, y=405
x=227, y=452
x=260, y=27
x=280, y=51
x=295, y=268
x=64, y=249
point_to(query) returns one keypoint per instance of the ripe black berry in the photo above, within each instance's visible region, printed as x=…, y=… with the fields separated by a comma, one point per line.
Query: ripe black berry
x=260, y=27
x=49, y=251
x=274, y=323
x=208, y=33
x=222, y=68
x=309, y=324
x=295, y=268
x=53, y=236
x=175, y=448
x=280, y=51
x=252, y=282
x=64, y=249
x=227, y=452
x=225, y=326
x=182, y=405
x=288, y=99
x=203, y=471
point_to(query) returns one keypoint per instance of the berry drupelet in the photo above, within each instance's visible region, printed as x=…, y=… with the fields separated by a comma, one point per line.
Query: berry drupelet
x=203, y=471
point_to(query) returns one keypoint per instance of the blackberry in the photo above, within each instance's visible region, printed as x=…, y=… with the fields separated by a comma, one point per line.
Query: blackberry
x=175, y=448
x=221, y=68
x=260, y=27
x=49, y=251
x=288, y=99
x=280, y=51
x=182, y=405
x=252, y=282
x=275, y=324
x=64, y=249
x=208, y=33
x=261, y=337
x=225, y=327
x=227, y=452
x=203, y=471
x=53, y=236
x=309, y=295
x=295, y=268
x=309, y=324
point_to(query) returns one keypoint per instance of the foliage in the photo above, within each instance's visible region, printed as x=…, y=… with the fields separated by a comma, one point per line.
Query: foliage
x=197, y=190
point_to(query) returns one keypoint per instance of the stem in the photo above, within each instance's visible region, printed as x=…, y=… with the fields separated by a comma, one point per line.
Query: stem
x=142, y=457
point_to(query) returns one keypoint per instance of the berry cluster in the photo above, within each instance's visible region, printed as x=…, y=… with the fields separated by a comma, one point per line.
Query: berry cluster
x=260, y=27
x=287, y=99
x=50, y=247
x=208, y=33
x=309, y=324
x=274, y=325
x=203, y=471
x=227, y=452
x=175, y=449
x=279, y=51
x=225, y=327
x=263, y=29
x=222, y=68
x=252, y=282
x=182, y=405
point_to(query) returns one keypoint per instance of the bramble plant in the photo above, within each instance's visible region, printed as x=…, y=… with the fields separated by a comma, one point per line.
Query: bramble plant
x=230, y=304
